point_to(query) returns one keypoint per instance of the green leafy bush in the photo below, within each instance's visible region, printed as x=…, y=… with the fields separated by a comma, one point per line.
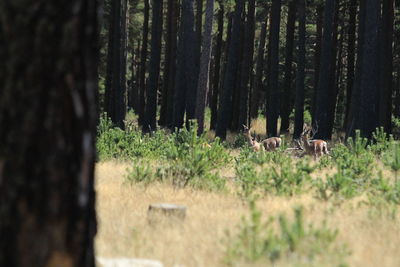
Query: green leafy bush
x=187, y=159
x=381, y=141
x=141, y=173
x=258, y=240
x=392, y=159
x=282, y=175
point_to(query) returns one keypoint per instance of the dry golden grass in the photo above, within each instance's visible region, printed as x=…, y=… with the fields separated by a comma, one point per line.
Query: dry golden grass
x=373, y=238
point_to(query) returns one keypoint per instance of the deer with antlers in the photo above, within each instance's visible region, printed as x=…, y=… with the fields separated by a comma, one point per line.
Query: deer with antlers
x=315, y=147
x=252, y=142
x=269, y=144
x=272, y=143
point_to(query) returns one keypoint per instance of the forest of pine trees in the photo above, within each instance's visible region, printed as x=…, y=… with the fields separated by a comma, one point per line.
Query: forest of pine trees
x=169, y=61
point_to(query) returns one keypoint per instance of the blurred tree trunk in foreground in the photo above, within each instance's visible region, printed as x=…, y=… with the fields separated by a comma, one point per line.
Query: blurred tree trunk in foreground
x=48, y=96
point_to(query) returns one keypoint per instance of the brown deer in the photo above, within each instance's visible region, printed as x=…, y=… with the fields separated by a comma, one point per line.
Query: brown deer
x=315, y=147
x=252, y=142
x=270, y=144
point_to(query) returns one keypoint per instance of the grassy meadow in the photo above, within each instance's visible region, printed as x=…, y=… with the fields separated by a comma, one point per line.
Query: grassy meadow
x=246, y=208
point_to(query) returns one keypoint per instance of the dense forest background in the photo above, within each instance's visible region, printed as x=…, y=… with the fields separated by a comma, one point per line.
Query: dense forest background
x=333, y=63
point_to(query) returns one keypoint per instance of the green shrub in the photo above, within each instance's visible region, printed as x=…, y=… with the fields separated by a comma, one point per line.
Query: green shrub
x=240, y=141
x=247, y=178
x=385, y=191
x=187, y=159
x=140, y=173
x=381, y=141
x=392, y=159
x=283, y=178
x=258, y=240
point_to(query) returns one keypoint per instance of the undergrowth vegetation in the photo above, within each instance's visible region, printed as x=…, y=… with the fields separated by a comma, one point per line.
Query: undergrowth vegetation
x=183, y=159
x=282, y=237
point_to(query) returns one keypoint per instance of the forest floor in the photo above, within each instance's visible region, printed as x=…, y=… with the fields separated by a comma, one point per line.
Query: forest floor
x=368, y=236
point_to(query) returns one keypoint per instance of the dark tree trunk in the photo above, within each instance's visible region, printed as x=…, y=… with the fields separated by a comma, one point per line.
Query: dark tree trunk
x=217, y=66
x=48, y=119
x=112, y=19
x=396, y=51
x=154, y=67
x=234, y=123
x=366, y=118
x=196, y=42
x=143, y=59
x=334, y=86
x=173, y=66
x=324, y=89
x=396, y=109
x=286, y=107
x=299, y=103
x=225, y=48
x=258, y=78
x=317, y=56
x=198, y=30
x=351, y=45
x=185, y=78
x=137, y=78
x=225, y=108
x=133, y=92
x=247, y=65
x=386, y=69
x=115, y=104
x=339, y=110
x=203, y=81
x=170, y=64
x=356, y=91
x=273, y=101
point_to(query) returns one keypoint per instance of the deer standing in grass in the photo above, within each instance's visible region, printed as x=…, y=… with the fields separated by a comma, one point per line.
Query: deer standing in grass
x=252, y=142
x=315, y=147
x=270, y=144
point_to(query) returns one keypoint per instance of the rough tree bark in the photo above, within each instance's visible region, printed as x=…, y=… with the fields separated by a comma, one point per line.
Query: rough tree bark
x=299, y=103
x=247, y=65
x=217, y=66
x=351, y=45
x=286, y=107
x=324, y=87
x=317, y=56
x=133, y=92
x=273, y=101
x=234, y=123
x=225, y=108
x=198, y=31
x=366, y=115
x=115, y=104
x=185, y=79
x=386, y=63
x=143, y=59
x=47, y=126
x=258, y=78
x=335, y=72
x=154, y=67
x=355, y=94
x=203, y=81
x=170, y=64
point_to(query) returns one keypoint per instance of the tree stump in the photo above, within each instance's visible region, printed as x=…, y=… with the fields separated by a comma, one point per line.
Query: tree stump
x=163, y=212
